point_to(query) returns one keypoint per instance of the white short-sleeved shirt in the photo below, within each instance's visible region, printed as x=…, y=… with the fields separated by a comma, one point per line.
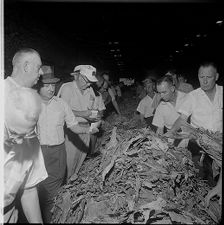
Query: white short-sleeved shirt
x=166, y=114
x=145, y=106
x=78, y=101
x=204, y=113
x=23, y=166
x=51, y=121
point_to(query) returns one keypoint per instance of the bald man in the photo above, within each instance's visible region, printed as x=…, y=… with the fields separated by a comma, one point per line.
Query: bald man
x=26, y=67
x=23, y=160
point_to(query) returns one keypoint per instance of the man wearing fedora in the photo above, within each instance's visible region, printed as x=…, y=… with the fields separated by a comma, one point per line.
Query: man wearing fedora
x=23, y=160
x=54, y=114
x=81, y=98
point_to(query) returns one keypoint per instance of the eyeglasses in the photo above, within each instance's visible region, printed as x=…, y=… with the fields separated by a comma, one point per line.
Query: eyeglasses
x=15, y=138
x=85, y=79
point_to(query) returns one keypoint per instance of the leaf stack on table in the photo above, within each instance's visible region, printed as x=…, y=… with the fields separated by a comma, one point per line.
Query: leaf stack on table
x=138, y=178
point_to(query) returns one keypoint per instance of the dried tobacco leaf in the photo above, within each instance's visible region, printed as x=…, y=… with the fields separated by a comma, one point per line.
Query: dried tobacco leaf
x=137, y=173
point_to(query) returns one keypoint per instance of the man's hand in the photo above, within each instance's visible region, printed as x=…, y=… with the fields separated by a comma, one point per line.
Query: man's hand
x=30, y=205
x=94, y=130
x=94, y=116
x=169, y=134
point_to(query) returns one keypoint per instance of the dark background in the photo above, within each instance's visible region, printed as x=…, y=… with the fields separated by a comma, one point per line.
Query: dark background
x=147, y=35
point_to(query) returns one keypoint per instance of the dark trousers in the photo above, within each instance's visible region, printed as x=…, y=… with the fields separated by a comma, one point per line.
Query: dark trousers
x=55, y=163
x=205, y=171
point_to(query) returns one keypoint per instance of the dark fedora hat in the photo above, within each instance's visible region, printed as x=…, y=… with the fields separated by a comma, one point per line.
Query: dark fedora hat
x=48, y=75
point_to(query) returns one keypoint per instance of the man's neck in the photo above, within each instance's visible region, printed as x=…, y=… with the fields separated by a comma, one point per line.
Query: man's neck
x=46, y=101
x=174, y=98
x=19, y=80
x=151, y=94
x=80, y=89
x=211, y=93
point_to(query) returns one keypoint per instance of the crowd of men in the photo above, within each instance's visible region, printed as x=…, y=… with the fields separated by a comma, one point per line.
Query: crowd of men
x=47, y=136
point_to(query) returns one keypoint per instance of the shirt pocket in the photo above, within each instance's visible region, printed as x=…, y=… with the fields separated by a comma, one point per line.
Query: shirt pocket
x=57, y=118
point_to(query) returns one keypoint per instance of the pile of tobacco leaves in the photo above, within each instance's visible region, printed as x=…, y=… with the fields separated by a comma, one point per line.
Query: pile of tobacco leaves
x=138, y=178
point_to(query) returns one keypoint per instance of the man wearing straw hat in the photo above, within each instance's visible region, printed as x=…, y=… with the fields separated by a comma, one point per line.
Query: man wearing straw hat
x=54, y=114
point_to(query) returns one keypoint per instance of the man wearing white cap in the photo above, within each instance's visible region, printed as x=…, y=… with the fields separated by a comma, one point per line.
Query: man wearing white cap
x=81, y=98
x=23, y=160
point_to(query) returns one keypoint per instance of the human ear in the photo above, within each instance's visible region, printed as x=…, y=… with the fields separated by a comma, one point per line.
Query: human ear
x=217, y=76
x=26, y=66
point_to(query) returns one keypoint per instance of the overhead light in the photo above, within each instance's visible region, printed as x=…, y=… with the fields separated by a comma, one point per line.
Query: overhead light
x=112, y=50
x=198, y=35
x=116, y=42
x=177, y=51
x=186, y=45
x=219, y=22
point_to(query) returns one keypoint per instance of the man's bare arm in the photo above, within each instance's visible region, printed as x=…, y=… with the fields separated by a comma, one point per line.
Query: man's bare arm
x=159, y=131
x=182, y=119
x=31, y=206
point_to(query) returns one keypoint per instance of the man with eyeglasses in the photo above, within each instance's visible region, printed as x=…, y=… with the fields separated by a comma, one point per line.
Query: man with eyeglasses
x=86, y=107
x=23, y=160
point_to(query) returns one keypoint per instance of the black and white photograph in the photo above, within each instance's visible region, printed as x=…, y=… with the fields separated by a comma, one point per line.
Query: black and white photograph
x=112, y=111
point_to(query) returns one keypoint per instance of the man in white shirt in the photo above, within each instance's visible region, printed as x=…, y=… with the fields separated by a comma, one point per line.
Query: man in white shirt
x=54, y=114
x=145, y=105
x=23, y=162
x=80, y=97
x=205, y=106
x=167, y=111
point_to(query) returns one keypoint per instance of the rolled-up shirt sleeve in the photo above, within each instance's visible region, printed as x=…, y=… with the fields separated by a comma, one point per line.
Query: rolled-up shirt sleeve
x=141, y=108
x=158, y=119
x=187, y=105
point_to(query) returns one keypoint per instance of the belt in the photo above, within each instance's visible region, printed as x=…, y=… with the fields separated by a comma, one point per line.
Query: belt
x=51, y=146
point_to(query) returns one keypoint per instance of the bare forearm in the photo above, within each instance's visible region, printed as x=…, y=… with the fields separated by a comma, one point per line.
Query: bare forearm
x=178, y=123
x=142, y=118
x=116, y=106
x=159, y=131
x=31, y=206
x=83, y=114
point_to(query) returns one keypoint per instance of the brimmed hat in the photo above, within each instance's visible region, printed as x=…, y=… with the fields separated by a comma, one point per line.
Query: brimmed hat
x=48, y=75
x=86, y=70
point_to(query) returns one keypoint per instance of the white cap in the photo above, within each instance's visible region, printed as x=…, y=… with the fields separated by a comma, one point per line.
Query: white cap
x=86, y=70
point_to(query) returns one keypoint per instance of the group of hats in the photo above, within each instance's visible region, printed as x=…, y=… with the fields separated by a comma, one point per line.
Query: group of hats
x=86, y=70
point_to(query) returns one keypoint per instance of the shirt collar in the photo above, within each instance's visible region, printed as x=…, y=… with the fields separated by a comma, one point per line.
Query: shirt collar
x=54, y=98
